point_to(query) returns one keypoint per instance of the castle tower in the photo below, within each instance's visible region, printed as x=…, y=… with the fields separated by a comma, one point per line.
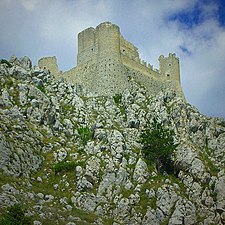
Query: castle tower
x=107, y=64
x=49, y=63
x=169, y=67
x=108, y=41
x=87, y=46
x=110, y=72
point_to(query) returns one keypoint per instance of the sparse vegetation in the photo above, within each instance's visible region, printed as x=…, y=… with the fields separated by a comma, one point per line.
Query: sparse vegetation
x=85, y=134
x=15, y=215
x=4, y=61
x=117, y=98
x=118, y=101
x=41, y=88
x=65, y=166
x=158, y=146
x=44, y=146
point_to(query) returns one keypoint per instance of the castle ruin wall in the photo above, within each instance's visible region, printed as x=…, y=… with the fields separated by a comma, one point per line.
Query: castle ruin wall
x=106, y=62
x=87, y=46
x=49, y=63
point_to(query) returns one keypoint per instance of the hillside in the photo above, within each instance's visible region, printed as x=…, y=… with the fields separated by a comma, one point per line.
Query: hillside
x=67, y=157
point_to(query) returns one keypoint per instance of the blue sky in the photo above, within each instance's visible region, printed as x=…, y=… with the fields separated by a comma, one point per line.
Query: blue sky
x=193, y=29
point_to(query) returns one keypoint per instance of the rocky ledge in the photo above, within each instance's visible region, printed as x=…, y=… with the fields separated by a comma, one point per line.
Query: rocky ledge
x=68, y=157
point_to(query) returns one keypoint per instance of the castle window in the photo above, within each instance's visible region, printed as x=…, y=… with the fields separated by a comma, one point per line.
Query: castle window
x=167, y=75
x=123, y=50
x=92, y=49
x=169, y=64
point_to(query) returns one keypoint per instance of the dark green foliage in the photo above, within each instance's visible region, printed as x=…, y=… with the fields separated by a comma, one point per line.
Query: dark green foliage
x=158, y=146
x=15, y=216
x=118, y=101
x=85, y=134
x=117, y=98
x=65, y=166
x=4, y=61
x=41, y=88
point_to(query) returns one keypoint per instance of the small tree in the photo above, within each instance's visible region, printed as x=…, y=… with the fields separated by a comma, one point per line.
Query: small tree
x=158, y=146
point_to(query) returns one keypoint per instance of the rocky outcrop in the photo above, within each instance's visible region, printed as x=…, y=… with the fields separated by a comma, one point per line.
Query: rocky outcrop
x=67, y=156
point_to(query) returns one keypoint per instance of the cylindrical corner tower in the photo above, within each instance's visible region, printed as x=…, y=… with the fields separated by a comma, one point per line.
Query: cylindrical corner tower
x=86, y=46
x=108, y=40
x=111, y=75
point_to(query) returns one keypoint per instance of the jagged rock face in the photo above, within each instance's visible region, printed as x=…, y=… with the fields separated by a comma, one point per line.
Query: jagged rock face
x=62, y=151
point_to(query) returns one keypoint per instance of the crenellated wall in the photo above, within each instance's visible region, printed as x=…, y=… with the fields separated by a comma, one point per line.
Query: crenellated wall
x=106, y=62
x=129, y=50
x=169, y=67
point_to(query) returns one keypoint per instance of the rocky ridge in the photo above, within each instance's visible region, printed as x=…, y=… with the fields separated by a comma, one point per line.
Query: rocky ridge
x=72, y=158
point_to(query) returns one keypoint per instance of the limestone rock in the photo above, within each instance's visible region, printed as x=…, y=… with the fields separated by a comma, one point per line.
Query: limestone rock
x=150, y=218
x=220, y=193
x=141, y=171
x=106, y=176
x=26, y=63
x=36, y=222
x=166, y=198
x=184, y=213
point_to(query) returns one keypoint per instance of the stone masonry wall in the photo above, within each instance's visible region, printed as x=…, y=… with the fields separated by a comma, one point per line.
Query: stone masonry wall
x=147, y=70
x=87, y=46
x=106, y=62
x=128, y=49
x=154, y=85
x=49, y=63
x=169, y=67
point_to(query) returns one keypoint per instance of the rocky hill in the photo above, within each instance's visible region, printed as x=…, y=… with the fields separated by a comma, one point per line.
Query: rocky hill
x=69, y=158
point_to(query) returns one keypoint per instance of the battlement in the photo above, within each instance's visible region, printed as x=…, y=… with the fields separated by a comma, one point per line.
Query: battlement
x=106, y=60
x=105, y=41
x=169, y=66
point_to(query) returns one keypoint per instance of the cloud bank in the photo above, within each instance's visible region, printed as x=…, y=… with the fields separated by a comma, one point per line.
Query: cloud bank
x=193, y=29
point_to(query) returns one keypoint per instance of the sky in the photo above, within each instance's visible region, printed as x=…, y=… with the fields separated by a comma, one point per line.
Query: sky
x=193, y=29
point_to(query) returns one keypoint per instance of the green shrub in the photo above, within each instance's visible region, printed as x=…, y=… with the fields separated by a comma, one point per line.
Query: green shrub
x=65, y=166
x=4, y=61
x=85, y=134
x=41, y=88
x=158, y=146
x=15, y=216
x=117, y=98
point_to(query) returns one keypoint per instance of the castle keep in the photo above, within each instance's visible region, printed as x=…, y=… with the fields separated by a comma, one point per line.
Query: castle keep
x=107, y=64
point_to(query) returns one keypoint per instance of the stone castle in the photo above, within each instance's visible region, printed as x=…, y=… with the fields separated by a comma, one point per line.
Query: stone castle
x=107, y=64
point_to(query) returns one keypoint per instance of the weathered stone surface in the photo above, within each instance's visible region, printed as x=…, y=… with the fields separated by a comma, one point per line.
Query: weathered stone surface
x=166, y=198
x=150, y=218
x=184, y=213
x=141, y=171
x=104, y=173
x=26, y=63
x=220, y=192
x=36, y=222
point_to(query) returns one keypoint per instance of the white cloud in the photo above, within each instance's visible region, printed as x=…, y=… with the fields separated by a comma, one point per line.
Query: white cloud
x=30, y=5
x=203, y=70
